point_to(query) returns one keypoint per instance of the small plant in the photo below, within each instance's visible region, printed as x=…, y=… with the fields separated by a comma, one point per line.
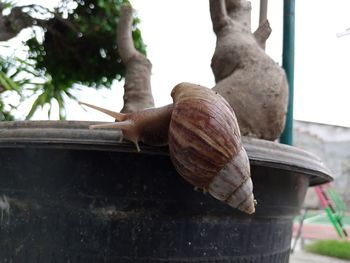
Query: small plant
x=331, y=248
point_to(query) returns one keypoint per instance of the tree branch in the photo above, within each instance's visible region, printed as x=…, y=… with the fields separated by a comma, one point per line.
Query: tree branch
x=239, y=10
x=124, y=35
x=18, y=19
x=12, y=24
x=262, y=33
x=218, y=14
x=137, y=87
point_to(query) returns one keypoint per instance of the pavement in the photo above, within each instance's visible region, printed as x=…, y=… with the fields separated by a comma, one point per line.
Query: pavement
x=312, y=231
x=300, y=256
x=304, y=257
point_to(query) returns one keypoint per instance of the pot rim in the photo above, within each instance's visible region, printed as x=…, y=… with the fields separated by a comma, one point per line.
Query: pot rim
x=77, y=135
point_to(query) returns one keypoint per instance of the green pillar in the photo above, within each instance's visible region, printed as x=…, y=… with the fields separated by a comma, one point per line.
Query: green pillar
x=288, y=65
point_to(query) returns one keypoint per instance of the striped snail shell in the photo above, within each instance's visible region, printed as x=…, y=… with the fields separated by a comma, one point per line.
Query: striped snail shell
x=205, y=146
x=204, y=141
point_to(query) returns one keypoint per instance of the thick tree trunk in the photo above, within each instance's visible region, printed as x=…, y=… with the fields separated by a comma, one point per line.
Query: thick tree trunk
x=254, y=85
x=137, y=88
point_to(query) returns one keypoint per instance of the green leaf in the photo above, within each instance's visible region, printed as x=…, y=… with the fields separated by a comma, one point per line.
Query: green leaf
x=8, y=83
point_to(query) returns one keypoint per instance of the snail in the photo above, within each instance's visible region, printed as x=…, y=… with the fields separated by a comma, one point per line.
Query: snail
x=204, y=141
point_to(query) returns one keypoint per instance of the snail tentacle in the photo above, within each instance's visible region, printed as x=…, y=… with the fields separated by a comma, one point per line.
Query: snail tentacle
x=116, y=115
x=123, y=122
x=128, y=130
x=123, y=125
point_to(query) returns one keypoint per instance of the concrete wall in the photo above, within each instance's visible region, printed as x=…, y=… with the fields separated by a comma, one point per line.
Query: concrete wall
x=332, y=145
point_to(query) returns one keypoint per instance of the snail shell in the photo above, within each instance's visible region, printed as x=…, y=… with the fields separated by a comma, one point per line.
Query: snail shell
x=204, y=141
x=205, y=146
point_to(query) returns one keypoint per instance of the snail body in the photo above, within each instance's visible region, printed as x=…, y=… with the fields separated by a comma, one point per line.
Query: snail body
x=149, y=126
x=204, y=141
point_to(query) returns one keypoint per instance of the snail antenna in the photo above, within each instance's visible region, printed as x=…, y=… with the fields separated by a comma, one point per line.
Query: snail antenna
x=127, y=127
x=117, y=115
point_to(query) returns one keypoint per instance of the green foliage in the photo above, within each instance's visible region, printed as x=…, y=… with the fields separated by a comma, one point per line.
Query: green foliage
x=331, y=248
x=8, y=84
x=7, y=75
x=4, y=115
x=79, y=46
x=7, y=4
x=83, y=48
x=49, y=91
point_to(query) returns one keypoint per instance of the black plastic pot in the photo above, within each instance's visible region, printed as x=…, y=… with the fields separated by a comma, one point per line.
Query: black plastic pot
x=69, y=194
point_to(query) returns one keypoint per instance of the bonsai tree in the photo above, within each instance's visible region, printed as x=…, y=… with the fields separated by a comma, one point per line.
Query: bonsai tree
x=253, y=84
x=81, y=44
x=72, y=43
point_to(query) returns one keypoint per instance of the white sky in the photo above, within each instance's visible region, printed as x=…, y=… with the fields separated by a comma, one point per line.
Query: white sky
x=180, y=44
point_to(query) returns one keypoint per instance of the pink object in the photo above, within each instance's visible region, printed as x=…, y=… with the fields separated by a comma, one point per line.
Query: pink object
x=317, y=231
x=323, y=200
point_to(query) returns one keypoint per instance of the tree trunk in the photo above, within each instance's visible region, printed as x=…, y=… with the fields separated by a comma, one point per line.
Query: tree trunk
x=254, y=85
x=137, y=87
